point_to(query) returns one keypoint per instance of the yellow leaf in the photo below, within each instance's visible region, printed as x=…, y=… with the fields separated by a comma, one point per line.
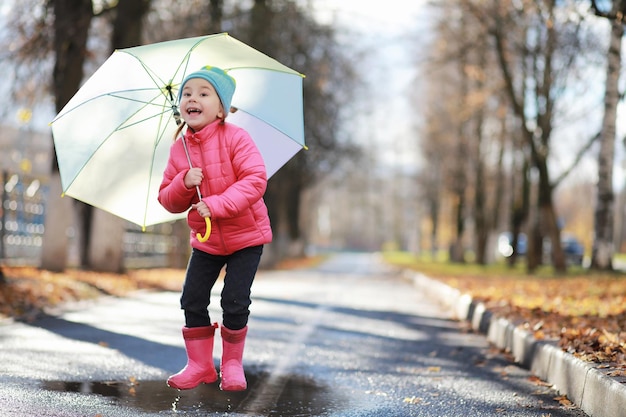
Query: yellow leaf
x=414, y=400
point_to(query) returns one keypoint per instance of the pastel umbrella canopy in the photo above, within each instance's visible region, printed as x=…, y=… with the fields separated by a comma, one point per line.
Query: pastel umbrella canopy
x=112, y=139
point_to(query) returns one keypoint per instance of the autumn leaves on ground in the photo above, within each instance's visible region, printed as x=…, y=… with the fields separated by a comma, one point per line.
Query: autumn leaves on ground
x=27, y=292
x=584, y=313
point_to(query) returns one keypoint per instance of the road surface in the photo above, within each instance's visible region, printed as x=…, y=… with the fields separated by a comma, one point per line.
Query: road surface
x=350, y=338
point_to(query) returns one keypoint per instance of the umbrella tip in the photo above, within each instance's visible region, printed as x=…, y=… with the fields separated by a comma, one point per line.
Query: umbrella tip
x=176, y=115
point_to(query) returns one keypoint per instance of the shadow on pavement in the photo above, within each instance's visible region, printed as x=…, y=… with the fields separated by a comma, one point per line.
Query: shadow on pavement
x=300, y=396
x=151, y=353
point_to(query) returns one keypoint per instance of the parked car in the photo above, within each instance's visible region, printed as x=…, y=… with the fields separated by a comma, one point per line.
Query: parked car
x=505, y=244
x=573, y=249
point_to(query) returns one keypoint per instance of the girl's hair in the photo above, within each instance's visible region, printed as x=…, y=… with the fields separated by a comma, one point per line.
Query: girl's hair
x=183, y=124
x=179, y=129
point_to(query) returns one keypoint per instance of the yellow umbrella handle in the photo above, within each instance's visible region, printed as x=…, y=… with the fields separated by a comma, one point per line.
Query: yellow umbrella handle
x=207, y=233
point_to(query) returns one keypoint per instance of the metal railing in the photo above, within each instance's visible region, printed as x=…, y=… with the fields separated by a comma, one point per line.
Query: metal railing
x=21, y=218
x=22, y=215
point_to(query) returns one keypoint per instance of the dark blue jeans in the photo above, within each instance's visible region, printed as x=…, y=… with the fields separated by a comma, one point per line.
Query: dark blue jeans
x=202, y=273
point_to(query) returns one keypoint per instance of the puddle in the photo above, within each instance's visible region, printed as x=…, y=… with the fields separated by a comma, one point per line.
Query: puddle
x=298, y=396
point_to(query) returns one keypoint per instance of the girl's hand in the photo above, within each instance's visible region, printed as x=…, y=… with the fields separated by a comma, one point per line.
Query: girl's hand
x=193, y=177
x=202, y=208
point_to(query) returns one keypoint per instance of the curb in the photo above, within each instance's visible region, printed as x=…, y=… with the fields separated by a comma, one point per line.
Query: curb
x=596, y=394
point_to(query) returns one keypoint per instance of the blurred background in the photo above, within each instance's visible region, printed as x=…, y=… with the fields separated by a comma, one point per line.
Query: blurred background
x=477, y=131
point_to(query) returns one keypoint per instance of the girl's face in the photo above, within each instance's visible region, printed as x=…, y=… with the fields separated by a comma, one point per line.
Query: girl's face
x=199, y=104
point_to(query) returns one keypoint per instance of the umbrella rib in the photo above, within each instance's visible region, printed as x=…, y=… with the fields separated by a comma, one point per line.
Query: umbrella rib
x=158, y=81
x=151, y=101
x=115, y=94
x=136, y=109
x=275, y=127
x=124, y=125
x=292, y=72
x=162, y=127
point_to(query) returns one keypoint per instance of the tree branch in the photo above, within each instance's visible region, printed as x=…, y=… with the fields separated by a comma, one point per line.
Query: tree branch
x=616, y=13
x=579, y=156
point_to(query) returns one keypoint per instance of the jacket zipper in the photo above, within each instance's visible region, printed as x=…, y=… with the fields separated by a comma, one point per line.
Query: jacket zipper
x=215, y=223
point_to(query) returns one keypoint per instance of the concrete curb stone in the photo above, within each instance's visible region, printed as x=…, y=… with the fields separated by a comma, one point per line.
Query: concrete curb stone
x=597, y=394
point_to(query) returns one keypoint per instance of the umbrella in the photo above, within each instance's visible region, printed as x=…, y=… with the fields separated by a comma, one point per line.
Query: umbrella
x=112, y=138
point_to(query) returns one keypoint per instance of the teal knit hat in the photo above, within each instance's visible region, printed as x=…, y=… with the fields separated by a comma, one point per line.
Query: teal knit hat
x=223, y=83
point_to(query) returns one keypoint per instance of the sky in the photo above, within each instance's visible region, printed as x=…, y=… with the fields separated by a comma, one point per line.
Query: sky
x=386, y=32
x=390, y=16
x=391, y=33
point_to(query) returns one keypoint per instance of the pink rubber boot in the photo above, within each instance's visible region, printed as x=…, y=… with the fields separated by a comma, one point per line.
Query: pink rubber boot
x=231, y=367
x=200, y=367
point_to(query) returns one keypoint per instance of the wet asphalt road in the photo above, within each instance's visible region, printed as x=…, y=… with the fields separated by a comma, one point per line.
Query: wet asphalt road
x=350, y=338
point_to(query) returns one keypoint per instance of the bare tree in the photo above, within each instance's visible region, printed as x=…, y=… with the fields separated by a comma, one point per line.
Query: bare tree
x=72, y=20
x=103, y=232
x=70, y=27
x=603, y=248
x=310, y=48
x=514, y=61
x=301, y=43
x=536, y=45
x=446, y=140
x=465, y=112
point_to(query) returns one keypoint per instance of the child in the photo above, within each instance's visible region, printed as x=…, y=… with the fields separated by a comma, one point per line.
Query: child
x=230, y=172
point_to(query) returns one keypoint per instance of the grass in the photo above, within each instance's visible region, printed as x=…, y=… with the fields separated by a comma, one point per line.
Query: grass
x=585, y=311
x=28, y=292
x=579, y=292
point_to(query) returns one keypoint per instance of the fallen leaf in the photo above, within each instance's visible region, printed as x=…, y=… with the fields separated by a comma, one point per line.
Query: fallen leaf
x=413, y=400
x=563, y=400
x=538, y=381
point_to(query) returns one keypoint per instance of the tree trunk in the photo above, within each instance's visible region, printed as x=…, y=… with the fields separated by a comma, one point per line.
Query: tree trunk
x=456, y=253
x=128, y=24
x=520, y=208
x=106, y=250
x=178, y=255
x=482, y=221
x=460, y=171
x=57, y=225
x=103, y=233
x=216, y=11
x=603, y=249
x=71, y=27
x=548, y=219
x=483, y=224
x=285, y=187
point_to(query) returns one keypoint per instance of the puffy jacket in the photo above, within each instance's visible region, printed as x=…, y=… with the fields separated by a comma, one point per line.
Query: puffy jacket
x=234, y=182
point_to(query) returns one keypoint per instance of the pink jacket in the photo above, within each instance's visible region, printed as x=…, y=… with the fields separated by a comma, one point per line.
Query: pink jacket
x=234, y=183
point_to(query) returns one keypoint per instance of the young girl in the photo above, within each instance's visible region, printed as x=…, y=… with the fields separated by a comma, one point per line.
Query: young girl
x=230, y=172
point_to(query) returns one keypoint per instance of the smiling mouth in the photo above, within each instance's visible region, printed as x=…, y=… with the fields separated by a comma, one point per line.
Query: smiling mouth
x=191, y=111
